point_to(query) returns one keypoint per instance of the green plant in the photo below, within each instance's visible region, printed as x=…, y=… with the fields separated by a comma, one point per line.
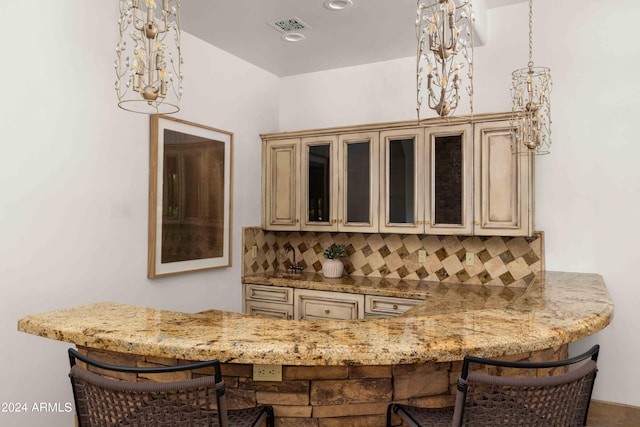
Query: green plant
x=335, y=251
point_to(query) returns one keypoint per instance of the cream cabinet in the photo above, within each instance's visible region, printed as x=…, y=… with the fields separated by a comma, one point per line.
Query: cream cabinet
x=292, y=303
x=358, y=179
x=311, y=304
x=503, y=197
x=426, y=180
x=449, y=180
x=269, y=301
x=402, y=171
x=447, y=177
x=281, y=184
x=319, y=183
x=322, y=183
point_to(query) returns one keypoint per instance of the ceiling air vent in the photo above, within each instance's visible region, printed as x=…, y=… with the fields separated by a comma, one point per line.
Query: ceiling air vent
x=289, y=24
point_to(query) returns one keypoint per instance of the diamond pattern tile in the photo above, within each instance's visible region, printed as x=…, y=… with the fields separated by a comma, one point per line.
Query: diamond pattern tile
x=504, y=261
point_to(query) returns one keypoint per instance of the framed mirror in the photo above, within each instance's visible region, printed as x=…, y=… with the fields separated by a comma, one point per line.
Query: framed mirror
x=190, y=182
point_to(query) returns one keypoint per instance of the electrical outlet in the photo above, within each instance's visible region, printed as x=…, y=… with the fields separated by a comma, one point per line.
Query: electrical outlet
x=422, y=255
x=470, y=258
x=267, y=372
x=254, y=251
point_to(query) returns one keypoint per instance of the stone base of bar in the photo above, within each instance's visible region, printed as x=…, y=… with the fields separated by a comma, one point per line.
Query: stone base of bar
x=328, y=396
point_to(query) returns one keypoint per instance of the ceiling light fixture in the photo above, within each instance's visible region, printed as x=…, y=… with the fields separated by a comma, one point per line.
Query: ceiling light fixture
x=292, y=37
x=445, y=46
x=531, y=104
x=150, y=80
x=338, y=4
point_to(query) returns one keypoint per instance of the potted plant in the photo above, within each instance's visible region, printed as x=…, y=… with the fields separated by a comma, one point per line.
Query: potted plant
x=333, y=267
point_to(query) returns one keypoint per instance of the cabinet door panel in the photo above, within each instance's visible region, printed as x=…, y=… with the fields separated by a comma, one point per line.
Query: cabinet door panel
x=311, y=304
x=282, y=185
x=502, y=181
x=358, y=183
x=401, y=183
x=449, y=180
x=319, y=183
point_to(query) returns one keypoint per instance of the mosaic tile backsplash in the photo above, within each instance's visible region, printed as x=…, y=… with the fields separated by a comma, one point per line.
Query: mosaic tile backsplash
x=498, y=261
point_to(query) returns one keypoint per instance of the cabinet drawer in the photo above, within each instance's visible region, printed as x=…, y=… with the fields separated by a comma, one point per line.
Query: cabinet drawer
x=379, y=306
x=327, y=305
x=279, y=311
x=268, y=293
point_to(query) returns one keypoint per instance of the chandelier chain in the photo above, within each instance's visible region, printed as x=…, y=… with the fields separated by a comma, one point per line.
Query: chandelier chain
x=530, y=34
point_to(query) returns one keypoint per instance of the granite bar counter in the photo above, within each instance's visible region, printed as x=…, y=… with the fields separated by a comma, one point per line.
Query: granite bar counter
x=557, y=308
x=349, y=363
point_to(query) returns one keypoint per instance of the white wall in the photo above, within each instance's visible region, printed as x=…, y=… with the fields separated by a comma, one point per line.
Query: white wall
x=588, y=195
x=74, y=182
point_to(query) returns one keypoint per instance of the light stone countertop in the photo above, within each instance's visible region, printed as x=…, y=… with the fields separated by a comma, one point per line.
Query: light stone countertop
x=557, y=308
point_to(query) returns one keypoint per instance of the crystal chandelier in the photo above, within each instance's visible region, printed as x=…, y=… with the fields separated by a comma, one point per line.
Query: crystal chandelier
x=531, y=104
x=445, y=46
x=150, y=80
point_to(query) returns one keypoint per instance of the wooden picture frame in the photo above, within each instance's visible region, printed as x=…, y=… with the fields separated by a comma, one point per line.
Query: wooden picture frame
x=190, y=183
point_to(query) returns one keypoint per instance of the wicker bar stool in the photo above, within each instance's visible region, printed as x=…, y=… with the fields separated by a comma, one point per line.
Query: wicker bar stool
x=493, y=401
x=199, y=402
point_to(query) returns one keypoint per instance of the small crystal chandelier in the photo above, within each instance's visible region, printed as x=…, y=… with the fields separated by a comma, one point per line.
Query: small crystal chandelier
x=445, y=45
x=143, y=82
x=531, y=104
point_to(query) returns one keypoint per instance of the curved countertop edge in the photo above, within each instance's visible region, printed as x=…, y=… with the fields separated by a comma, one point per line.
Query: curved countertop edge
x=557, y=308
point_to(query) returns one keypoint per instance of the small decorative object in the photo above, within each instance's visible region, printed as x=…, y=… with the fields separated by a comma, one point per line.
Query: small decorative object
x=149, y=69
x=333, y=267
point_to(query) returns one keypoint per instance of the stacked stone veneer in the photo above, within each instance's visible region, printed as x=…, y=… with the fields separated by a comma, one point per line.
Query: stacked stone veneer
x=332, y=396
x=502, y=261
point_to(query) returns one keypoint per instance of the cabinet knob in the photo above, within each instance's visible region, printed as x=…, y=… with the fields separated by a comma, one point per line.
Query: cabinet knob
x=426, y=222
x=420, y=222
x=477, y=222
x=334, y=221
x=297, y=220
x=340, y=221
x=395, y=306
x=327, y=311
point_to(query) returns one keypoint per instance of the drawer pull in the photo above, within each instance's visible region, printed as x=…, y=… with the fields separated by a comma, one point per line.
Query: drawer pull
x=326, y=311
x=395, y=306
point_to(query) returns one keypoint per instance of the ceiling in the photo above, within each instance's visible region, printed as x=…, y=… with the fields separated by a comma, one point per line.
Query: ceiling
x=370, y=31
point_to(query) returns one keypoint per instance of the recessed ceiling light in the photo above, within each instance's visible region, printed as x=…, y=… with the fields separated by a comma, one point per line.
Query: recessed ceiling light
x=338, y=4
x=292, y=37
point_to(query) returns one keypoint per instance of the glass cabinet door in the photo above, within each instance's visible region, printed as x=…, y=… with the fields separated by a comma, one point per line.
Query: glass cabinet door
x=449, y=180
x=401, y=189
x=319, y=183
x=358, y=209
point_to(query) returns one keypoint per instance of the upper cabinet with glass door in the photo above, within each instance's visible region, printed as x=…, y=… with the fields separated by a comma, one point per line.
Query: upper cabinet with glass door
x=331, y=182
x=358, y=182
x=401, y=181
x=426, y=180
x=319, y=186
x=397, y=178
x=449, y=180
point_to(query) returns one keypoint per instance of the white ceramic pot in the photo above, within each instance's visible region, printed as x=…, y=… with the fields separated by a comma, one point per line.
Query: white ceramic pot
x=332, y=268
